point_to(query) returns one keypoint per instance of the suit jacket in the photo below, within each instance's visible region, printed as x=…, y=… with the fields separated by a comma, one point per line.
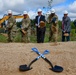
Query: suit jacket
x=66, y=24
x=42, y=18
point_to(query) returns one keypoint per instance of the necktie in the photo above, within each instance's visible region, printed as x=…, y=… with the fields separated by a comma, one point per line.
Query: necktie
x=38, y=20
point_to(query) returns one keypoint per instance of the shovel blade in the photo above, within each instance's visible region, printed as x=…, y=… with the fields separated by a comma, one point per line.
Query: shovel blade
x=35, y=50
x=24, y=68
x=46, y=52
x=57, y=68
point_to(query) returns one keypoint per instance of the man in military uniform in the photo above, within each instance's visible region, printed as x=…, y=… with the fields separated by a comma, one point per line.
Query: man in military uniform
x=11, y=27
x=53, y=20
x=26, y=28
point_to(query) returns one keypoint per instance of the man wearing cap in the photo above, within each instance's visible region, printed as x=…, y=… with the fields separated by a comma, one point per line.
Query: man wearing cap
x=40, y=30
x=66, y=27
x=53, y=20
x=26, y=28
x=11, y=27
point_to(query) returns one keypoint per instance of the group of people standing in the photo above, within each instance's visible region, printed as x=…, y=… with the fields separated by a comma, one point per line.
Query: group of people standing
x=65, y=27
x=54, y=27
x=40, y=24
x=12, y=28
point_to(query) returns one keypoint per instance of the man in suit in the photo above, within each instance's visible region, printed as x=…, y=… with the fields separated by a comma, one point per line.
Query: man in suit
x=40, y=31
x=66, y=26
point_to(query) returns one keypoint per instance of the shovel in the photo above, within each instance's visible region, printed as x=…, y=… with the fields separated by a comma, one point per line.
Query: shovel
x=53, y=68
x=28, y=67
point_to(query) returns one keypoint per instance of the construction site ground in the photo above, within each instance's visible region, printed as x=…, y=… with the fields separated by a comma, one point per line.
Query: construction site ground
x=12, y=55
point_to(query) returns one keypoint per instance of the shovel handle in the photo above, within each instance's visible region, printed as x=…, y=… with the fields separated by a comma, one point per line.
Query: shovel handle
x=32, y=62
x=48, y=62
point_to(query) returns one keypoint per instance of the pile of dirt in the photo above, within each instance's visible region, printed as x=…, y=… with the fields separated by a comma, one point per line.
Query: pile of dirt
x=12, y=55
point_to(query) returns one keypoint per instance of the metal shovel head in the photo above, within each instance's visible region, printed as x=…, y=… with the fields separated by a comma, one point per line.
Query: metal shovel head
x=46, y=52
x=35, y=50
x=57, y=68
x=24, y=68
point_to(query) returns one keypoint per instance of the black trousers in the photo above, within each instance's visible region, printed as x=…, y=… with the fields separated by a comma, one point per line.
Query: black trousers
x=67, y=37
x=40, y=34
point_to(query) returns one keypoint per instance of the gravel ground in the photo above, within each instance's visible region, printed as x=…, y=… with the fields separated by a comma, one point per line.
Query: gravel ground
x=12, y=55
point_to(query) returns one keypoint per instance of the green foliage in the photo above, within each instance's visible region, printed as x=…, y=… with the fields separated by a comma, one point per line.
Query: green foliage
x=3, y=38
x=73, y=35
x=33, y=38
x=18, y=37
x=72, y=25
x=19, y=24
x=47, y=25
x=60, y=23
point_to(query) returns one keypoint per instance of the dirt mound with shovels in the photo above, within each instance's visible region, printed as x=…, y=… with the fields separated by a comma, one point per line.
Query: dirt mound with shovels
x=12, y=55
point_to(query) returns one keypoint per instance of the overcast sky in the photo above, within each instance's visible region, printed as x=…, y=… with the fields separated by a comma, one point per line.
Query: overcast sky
x=18, y=6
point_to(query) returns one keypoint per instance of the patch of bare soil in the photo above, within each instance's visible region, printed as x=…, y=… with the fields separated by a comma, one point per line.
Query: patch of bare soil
x=12, y=55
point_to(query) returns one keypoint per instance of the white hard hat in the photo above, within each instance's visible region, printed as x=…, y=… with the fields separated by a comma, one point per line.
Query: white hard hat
x=25, y=12
x=39, y=10
x=52, y=10
x=9, y=11
x=65, y=12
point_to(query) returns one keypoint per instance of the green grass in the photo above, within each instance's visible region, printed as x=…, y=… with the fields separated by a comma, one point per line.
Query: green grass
x=73, y=35
x=3, y=38
x=18, y=37
x=33, y=37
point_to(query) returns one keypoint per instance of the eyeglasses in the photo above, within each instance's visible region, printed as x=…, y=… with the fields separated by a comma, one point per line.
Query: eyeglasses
x=9, y=14
x=39, y=12
x=25, y=15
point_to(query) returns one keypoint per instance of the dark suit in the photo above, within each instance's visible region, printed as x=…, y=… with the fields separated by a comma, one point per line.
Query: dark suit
x=40, y=31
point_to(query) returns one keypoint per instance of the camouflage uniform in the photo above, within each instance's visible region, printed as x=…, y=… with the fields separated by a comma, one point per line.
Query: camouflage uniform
x=27, y=28
x=11, y=27
x=53, y=27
